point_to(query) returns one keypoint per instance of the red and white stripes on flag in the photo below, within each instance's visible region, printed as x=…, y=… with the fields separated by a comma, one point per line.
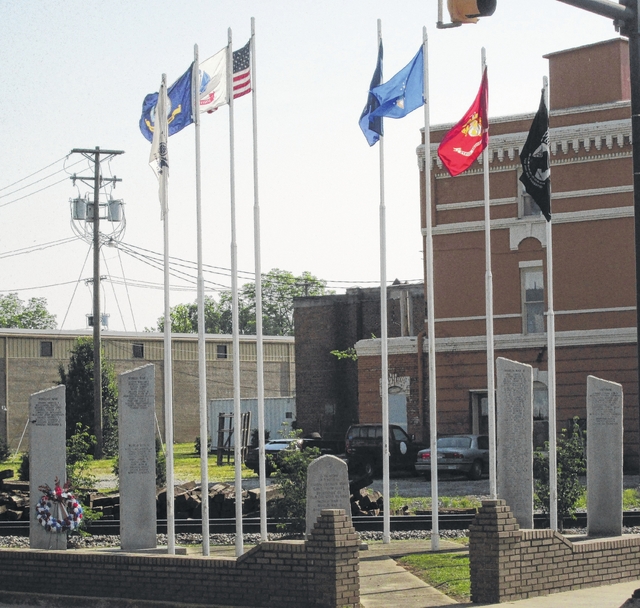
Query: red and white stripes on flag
x=213, y=78
x=242, y=71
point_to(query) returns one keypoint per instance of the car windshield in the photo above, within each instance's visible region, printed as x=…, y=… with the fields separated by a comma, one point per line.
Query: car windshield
x=454, y=442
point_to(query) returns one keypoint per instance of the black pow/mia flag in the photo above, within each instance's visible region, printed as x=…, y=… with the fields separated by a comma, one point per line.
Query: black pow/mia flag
x=534, y=156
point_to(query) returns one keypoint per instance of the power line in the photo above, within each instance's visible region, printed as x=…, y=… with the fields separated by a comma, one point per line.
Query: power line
x=32, y=248
x=35, y=173
x=37, y=181
x=15, y=200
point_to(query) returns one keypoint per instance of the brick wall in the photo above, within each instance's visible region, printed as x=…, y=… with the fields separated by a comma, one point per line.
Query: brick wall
x=322, y=572
x=510, y=564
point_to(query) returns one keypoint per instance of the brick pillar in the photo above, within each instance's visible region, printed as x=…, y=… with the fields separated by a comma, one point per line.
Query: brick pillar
x=333, y=562
x=494, y=554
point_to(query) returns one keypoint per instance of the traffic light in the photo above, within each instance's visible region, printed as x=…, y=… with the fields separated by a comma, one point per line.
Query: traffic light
x=468, y=11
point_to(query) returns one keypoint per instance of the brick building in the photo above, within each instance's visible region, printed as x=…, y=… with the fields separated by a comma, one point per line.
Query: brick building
x=327, y=387
x=29, y=362
x=594, y=260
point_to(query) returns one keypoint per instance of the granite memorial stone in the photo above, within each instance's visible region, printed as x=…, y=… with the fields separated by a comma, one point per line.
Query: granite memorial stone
x=327, y=488
x=514, y=452
x=137, y=466
x=47, y=459
x=604, y=458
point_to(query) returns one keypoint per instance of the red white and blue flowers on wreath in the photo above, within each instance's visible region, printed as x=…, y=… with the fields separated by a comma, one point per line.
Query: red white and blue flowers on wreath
x=58, y=510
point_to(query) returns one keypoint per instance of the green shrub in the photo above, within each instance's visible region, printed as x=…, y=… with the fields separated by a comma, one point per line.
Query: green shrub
x=571, y=463
x=4, y=450
x=291, y=475
x=23, y=470
x=79, y=446
x=196, y=445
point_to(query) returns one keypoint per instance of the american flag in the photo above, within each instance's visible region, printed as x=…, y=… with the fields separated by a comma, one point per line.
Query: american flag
x=242, y=71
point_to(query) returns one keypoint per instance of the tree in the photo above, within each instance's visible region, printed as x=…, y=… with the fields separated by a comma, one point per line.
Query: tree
x=78, y=380
x=279, y=287
x=32, y=315
x=184, y=317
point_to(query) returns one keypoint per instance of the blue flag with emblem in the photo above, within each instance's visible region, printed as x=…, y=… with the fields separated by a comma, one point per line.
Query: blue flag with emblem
x=402, y=94
x=179, y=110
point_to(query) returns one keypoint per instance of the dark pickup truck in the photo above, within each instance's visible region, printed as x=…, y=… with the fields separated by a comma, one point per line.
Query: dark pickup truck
x=364, y=449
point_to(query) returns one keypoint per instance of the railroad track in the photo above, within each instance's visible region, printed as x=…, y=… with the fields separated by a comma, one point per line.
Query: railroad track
x=446, y=521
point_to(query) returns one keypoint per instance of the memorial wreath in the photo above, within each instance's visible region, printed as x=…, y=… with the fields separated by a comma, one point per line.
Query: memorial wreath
x=58, y=510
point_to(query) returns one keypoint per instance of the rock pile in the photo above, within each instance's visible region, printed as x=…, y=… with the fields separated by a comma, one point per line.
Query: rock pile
x=14, y=498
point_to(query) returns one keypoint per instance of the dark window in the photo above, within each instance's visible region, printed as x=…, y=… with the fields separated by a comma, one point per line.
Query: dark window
x=400, y=435
x=138, y=351
x=483, y=442
x=221, y=351
x=46, y=349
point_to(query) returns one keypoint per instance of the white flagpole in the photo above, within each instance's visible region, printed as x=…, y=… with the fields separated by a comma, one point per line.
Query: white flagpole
x=491, y=393
x=551, y=347
x=237, y=412
x=168, y=371
x=431, y=325
x=384, y=354
x=258, y=282
x=202, y=362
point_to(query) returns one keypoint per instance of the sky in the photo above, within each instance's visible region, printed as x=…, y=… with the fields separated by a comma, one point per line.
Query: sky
x=73, y=74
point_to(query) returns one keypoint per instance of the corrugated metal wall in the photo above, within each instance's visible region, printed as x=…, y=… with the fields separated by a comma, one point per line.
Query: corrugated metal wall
x=277, y=411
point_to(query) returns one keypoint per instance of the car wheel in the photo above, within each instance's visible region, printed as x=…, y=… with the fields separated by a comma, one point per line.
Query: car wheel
x=476, y=470
x=368, y=468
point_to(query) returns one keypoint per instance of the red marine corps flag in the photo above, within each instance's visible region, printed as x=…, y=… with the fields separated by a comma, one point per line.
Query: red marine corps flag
x=464, y=143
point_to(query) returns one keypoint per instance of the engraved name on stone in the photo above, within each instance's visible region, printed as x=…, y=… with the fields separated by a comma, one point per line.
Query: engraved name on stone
x=325, y=491
x=139, y=457
x=48, y=412
x=139, y=394
x=607, y=406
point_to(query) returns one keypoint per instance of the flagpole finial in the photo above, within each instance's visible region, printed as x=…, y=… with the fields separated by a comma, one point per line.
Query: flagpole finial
x=379, y=29
x=253, y=26
x=484, y=58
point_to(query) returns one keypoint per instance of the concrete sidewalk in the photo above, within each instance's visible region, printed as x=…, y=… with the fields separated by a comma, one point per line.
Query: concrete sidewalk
x=384, y=584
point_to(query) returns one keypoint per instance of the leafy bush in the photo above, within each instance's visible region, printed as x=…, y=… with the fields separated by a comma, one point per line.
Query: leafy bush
x=4, y=450
x=196, y=445
x=571, y=463
x=23, y=470
x=161, y=465
x=291, y=475
x=79, y=446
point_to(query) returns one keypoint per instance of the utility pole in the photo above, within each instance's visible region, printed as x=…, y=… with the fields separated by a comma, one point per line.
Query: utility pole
x=98, y=181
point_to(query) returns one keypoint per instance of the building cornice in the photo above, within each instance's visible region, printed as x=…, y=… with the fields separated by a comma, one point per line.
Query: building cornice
x=577, y=138
x=525, y=227
x=566, y=339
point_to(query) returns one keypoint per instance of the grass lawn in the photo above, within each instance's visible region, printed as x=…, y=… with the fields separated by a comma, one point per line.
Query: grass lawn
x=447, y=572
x=186, y=466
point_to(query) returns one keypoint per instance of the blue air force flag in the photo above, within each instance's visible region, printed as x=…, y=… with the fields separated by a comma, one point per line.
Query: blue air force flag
x=179, y=109
x=403, y=93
